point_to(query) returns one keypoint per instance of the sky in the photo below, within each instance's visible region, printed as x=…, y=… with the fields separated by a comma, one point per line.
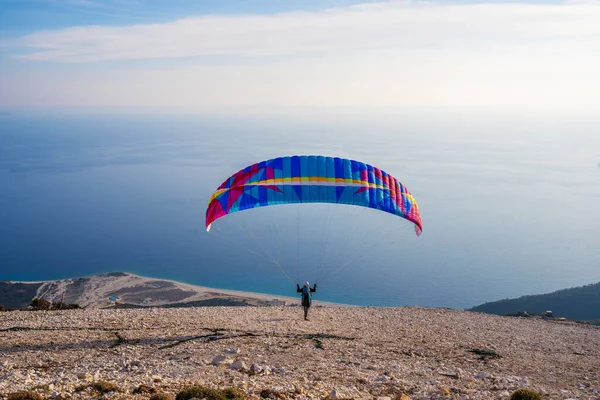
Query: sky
x=299, y=53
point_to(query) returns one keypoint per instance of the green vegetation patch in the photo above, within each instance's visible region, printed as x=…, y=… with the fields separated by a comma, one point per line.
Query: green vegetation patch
x=525, y=394
x=202, y=392
x=319, y=344
x=485, y=353
x=234, y=394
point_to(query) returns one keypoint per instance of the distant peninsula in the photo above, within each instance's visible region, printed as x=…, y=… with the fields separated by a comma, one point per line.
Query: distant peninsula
x=125, y=290
x=579, y=303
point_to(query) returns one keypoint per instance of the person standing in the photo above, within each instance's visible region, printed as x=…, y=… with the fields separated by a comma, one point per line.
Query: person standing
x=306, y=291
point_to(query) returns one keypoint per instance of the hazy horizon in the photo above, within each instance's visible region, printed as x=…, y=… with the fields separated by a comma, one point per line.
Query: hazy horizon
x=508, y=205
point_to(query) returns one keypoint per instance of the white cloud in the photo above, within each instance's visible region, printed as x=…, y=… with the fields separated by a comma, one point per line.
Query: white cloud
x=583, y=2
x=378, y=55
x=393, y=25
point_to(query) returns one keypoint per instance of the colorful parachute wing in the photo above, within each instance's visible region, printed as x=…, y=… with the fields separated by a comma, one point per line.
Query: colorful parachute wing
x=313, y=179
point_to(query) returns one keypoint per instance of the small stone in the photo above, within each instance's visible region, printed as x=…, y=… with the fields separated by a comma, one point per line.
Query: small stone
x=256, y=369
x=88, y=377
x=156, y=378
x=481, y=375
x=339, y=394
x=218, y=360
x=238, y=366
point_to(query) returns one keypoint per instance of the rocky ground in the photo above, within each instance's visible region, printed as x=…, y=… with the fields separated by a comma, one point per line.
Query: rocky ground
x=342, y=352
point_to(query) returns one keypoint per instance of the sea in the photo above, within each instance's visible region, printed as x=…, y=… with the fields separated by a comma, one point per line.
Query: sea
x=510, y=202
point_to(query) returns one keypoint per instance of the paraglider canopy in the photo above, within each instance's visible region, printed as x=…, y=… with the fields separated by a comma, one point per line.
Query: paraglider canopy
x=313, y=179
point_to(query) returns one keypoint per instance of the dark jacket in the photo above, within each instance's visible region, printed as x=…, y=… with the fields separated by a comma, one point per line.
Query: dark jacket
x=306, y=298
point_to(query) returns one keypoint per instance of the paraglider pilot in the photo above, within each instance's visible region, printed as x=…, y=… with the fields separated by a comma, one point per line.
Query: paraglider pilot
x=306, y=291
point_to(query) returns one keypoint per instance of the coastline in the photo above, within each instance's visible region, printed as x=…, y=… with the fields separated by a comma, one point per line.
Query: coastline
x=95, y=291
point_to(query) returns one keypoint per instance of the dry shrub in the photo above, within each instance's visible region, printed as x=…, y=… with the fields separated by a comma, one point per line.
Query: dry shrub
x=40, y=304
x=27, y=395
x=105, y=387
x=202, y=392
x=100, y=387
x=144, y=389
x=271, y=394
x=161, y=396
x=234, y=394
x=525, y=394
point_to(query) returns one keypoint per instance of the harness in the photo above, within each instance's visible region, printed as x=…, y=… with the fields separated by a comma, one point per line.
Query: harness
x=306, y=295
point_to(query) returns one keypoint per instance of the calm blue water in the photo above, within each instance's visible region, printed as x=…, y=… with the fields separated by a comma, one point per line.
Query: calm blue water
x=510, y=205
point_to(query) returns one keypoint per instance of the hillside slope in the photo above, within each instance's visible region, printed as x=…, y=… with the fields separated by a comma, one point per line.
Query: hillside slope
x=580, y=303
